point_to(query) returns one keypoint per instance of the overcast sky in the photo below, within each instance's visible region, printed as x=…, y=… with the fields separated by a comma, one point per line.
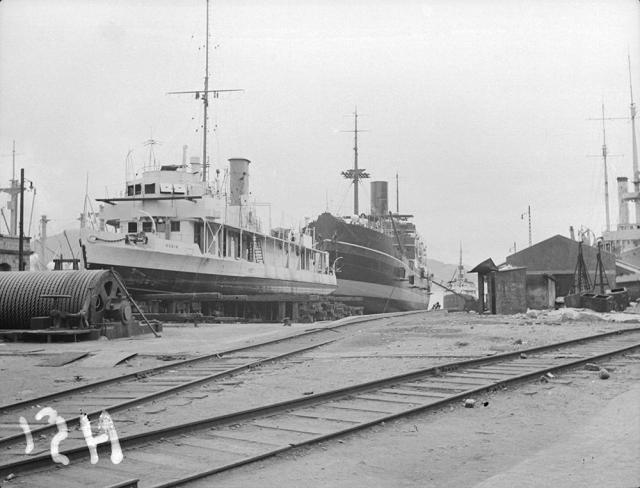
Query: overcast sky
x=481, y=106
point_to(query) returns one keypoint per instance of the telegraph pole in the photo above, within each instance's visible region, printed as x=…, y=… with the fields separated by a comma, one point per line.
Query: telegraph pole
x=21, y=241
x=529, y=214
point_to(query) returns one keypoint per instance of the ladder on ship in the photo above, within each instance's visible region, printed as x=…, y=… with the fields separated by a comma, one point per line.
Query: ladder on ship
x=257, y=251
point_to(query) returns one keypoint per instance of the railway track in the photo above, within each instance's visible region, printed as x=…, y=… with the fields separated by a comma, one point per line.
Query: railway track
x=126, y=391
x=177, y=455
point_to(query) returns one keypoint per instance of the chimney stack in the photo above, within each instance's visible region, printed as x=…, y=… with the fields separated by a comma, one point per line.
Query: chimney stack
x=239, y=180
x=623, y=205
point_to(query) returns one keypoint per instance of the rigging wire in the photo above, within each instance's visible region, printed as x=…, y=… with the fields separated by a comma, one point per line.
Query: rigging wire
x=338, y=210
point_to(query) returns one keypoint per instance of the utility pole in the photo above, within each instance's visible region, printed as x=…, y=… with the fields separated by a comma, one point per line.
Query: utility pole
x=528, y=214
x=21, y=242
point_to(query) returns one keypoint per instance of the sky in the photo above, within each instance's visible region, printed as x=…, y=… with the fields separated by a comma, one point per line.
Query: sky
x=482, y=107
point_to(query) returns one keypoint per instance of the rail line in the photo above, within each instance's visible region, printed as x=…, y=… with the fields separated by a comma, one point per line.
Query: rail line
x=140, y=387
x=177, y=455
x=126, y=391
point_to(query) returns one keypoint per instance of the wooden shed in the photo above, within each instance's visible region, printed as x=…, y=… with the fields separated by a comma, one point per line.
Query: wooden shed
x=551, y=265
x=505, y=288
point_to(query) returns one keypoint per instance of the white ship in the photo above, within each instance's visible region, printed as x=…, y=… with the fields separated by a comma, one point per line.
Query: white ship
x=172, y=232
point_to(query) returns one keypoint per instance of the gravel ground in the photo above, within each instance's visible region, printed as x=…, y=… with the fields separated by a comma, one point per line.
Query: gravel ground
x=453, y=447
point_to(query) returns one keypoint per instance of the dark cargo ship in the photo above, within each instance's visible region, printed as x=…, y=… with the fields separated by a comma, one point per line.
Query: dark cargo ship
x=377, y=256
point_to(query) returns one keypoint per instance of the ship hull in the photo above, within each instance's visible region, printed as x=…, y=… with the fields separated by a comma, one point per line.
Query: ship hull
x=366, y=267
x=145, y=270
x=457, y=302
x=383, y=298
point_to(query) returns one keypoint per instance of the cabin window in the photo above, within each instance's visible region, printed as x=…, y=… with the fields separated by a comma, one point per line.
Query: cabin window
x=147, y=226
x=132, y=227
x=175, y=226
x=150, y=188
x=400, y=272
x=130, y=190
x=138, y=189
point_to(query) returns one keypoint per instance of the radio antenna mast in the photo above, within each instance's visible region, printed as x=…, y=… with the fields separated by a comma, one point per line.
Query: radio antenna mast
x=204, y=95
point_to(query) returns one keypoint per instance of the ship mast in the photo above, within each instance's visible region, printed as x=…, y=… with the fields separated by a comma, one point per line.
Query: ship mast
x=356, y=200
x=605, y=155
x=205, y=102
x=606, y=178
x=634, y=145
x=460, y=267
x=397, y=195
x=204, y=96
x=13, y=190
x=356, y=174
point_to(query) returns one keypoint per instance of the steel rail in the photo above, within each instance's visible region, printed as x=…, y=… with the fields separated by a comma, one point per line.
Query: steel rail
x=319, y=398
x=154, y=372
x=215, y=355
x=163, y=392
x=148, y=372
x=364, y=425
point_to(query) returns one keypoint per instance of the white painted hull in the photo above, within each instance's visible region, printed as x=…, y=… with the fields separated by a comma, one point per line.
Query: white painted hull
x=155, y=270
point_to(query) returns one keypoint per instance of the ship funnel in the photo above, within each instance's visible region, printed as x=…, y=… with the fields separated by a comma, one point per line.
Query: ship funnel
x=623, y=205
x=194, y=162
x=238, y=180
x=379, y=198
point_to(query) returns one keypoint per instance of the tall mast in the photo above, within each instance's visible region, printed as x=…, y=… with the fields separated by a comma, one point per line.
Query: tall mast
x=14, y=193
x=204, y=95
x=356, y=179
x=355, y=174
x=397, y=195
x=606, y=178
x=13, y=190
x=13, y=161
x=460, y=267
x=205, y=102
x=634, y=145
